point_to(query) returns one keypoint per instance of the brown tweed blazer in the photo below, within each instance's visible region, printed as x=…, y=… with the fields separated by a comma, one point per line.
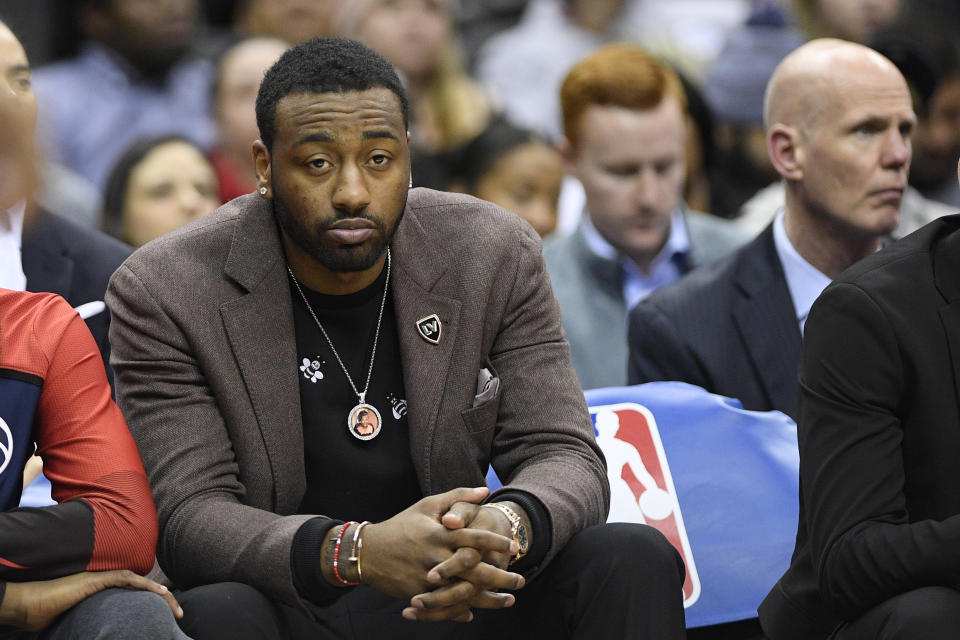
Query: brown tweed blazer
x=204, y=355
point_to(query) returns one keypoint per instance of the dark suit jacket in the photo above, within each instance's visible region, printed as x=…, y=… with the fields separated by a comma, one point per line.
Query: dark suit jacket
x=62, y=257
x=204, y=353
x=729, y=327
x=879, y=436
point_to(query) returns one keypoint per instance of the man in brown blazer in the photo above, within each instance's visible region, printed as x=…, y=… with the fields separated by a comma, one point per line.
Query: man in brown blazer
x=249, y=344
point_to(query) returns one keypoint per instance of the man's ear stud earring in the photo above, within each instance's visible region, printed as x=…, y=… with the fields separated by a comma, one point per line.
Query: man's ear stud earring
x=263, y=191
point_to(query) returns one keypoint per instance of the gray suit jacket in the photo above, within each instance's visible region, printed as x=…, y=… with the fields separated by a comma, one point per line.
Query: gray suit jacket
x=204, y=354
x=590, y=291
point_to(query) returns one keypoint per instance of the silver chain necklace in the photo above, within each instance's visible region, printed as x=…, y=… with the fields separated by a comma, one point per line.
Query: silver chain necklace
x=363, y=421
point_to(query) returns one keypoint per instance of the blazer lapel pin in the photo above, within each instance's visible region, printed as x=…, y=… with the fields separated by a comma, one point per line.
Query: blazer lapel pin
x=430, y=328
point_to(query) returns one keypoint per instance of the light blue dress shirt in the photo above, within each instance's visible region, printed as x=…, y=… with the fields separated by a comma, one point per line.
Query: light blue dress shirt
x=804, y=280
x=666, y=267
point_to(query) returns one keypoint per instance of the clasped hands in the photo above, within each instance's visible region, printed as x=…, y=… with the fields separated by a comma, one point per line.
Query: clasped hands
x=445, y=553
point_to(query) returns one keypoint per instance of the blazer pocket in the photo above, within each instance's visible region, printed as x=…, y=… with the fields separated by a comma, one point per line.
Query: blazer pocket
x=483, y=416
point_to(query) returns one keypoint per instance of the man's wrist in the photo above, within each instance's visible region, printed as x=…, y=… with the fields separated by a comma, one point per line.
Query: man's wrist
x=520, y=528
x=340, y=560
x=306, y=558
x=541, y=533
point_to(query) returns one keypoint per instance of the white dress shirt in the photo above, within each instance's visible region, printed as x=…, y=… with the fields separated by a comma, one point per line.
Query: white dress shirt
x=11, y=234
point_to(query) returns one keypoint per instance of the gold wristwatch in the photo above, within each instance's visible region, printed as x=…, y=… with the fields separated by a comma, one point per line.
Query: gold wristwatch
x=517, y=531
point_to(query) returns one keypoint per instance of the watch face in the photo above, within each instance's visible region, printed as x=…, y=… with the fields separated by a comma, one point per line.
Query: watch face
x=522, y=539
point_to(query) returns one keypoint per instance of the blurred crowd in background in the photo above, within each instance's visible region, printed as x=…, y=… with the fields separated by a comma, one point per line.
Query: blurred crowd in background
x=146, y=107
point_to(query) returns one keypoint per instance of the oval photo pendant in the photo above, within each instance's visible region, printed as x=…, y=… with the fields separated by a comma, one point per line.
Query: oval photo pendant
x=364, y=422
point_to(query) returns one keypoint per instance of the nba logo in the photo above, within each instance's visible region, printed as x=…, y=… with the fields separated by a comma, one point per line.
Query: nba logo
x=641, y=487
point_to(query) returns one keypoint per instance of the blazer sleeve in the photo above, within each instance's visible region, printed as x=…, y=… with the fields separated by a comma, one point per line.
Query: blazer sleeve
x=105, y=518
x=543, y=429
x=863, y=547
x=657, y=351
x=207, y=533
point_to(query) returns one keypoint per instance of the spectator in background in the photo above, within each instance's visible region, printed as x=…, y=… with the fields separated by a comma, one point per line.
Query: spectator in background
x=734, y=87
x=291, y=20
x=40, y=251
x=239, y=74
x=527, y=63
x=448, y=108
x=131, y=78
x=838, y=123
x=515, y=168
x=911, y=51
x=156, y=186
x=854, y=20
x=624, y=116
x=936, y=145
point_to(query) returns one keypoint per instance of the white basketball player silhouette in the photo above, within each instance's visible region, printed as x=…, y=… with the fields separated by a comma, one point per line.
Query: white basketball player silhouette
x=654, y=503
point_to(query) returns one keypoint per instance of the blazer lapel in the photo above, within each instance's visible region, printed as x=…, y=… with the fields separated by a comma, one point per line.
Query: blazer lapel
x=46, y=260
x=767, y=322
x=259, y=327
x=946, y=265
x=422, y=286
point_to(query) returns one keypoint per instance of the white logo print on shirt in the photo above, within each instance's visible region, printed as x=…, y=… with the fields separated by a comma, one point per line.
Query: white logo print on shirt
x=6, y=445
x=399, y=406
x=311, y=369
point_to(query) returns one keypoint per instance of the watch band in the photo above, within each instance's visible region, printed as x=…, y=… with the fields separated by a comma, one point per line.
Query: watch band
x=517, y=531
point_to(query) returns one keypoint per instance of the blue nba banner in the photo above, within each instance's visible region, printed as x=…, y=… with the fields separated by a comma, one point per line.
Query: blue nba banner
x=721, y=483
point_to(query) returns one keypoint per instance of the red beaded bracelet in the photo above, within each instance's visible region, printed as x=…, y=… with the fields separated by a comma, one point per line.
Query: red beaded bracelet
x=336, y=555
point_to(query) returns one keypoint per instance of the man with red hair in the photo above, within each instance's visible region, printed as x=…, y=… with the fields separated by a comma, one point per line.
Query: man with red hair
x=625, y=127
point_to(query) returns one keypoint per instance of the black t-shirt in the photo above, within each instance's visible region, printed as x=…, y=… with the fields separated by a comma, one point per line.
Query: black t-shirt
x=349, y=478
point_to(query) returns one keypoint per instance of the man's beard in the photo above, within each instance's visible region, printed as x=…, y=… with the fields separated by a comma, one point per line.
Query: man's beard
x=337, y=258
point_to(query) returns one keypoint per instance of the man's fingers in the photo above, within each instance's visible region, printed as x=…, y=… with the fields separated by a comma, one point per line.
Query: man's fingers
x=459, y=613
x=460, y=515
x=461, y=560
x=131, y=580
x=493, y=600
x=441, y=503
x=165, y=593
x=490, y=577
x=483, y=541
x=481, y=574
x=454, y=594
x=451, y=602
x=461, y=592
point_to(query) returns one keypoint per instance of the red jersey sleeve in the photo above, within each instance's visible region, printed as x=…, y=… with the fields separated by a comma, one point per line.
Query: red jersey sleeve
x=105, y=518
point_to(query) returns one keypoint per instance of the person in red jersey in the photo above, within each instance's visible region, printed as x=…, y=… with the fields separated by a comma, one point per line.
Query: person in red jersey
x=59, y=564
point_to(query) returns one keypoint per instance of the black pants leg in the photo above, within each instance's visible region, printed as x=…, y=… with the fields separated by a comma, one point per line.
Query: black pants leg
x=613, y=581
x=610, y=581
x=928, y=613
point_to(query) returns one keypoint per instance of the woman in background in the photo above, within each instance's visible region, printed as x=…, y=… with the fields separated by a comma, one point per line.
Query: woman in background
x=515, y=168
x=158, y=185
x=448, y=108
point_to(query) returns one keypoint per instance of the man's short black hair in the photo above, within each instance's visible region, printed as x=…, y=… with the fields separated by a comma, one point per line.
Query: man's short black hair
x=324, y=65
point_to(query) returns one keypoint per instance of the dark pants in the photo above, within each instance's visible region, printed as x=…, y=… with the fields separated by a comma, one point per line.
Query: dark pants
x=612, y=581
x=928, y=613
x=111, y=614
